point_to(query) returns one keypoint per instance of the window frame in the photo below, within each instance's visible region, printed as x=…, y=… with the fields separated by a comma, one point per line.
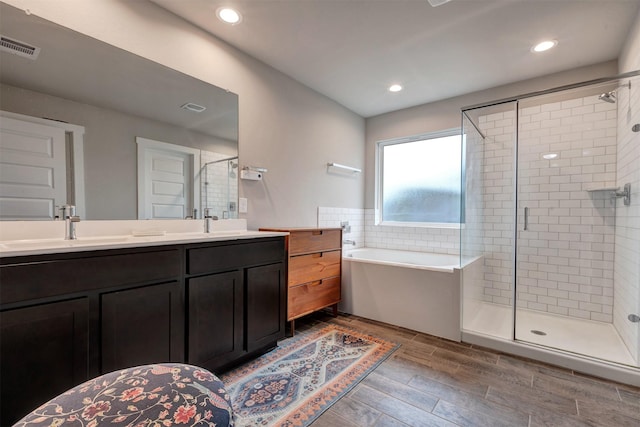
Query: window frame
x=379, y=160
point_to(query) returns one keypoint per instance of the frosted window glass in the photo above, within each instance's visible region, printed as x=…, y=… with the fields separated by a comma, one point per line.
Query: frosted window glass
x=421, y=181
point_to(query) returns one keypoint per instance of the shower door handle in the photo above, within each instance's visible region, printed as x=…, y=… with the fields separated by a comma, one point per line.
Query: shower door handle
x=526, y=218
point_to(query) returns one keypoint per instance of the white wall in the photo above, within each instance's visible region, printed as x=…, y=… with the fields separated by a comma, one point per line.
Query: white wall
x=284, y=126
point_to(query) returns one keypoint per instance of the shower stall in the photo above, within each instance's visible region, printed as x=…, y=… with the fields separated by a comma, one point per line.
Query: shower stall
x=552, y=205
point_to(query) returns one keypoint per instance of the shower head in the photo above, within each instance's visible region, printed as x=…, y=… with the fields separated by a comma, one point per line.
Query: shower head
x=609, y=97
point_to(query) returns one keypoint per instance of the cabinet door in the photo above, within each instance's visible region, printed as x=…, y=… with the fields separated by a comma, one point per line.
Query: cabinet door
x=266, y=306
x=43, y=352
x=142, y=325
x=216, y=313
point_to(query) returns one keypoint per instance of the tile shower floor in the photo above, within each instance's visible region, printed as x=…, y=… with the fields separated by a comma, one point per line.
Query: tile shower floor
x=591, y=338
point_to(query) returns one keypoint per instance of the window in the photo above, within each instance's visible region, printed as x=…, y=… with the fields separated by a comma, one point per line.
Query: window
x=419, y=179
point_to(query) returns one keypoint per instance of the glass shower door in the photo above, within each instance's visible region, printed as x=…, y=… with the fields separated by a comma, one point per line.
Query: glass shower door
x=566, y=222
x=487, y=234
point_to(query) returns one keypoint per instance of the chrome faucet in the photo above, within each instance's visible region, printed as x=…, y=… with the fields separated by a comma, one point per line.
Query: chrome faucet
x=68, y=214
x=207, y=220
x=194, y=214
x=349, y=242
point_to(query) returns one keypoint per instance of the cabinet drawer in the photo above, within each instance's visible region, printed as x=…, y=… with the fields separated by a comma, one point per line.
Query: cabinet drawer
x=213, y=258
x=301, y=242
x=309, y=297
x=312, y=267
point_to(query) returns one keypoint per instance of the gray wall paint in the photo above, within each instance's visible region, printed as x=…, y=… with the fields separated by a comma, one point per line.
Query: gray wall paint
x=284, y=126
x=446, y=114
x=630, y=57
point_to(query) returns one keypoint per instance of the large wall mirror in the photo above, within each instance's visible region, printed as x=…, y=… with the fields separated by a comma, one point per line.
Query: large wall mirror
x=140, y=140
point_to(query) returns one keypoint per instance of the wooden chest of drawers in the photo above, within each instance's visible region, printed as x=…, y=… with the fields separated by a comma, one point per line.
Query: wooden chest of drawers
x=314, y=269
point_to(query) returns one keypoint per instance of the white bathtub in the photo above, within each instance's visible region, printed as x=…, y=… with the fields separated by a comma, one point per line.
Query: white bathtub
x=415, y=290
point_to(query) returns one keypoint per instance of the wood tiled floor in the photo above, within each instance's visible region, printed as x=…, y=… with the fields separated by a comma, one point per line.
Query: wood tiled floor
x=434, y=382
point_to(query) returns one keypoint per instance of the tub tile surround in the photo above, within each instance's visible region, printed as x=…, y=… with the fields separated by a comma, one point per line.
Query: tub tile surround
x=329, y=217
x=366, y=233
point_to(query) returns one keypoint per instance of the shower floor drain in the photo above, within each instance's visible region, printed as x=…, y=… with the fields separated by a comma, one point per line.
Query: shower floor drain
x=537, y=332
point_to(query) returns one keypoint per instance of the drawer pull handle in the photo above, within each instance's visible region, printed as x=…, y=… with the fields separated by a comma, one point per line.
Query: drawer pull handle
x=317, y=255
x=317, y=233
x=316, y=283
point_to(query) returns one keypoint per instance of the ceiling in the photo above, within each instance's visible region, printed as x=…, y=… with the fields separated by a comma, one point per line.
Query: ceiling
x=352, y=50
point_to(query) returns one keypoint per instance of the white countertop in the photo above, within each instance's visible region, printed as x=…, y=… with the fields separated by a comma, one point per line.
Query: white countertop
x=102, y=235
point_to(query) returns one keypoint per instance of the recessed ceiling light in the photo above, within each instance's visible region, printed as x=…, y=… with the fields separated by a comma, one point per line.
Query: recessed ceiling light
x=395, y=88
x=545, y=45
x=228, y=15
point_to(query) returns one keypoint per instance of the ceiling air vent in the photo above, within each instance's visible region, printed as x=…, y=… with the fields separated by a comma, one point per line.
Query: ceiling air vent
x=190, y=106
x=18, y=48
x=436, y=3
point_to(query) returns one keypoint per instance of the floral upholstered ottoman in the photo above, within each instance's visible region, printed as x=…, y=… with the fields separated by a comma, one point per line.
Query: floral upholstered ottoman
x=151, y=395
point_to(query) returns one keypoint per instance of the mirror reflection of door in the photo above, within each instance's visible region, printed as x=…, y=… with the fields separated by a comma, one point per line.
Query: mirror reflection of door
x=168, y=180
x=32, y=170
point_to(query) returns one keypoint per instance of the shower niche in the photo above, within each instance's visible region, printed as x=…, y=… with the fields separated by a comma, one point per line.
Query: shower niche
x=549, y=206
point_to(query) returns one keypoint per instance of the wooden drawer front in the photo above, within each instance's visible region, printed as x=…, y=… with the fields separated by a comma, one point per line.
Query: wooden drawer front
x=312, y=267
x=301, y=242
x=304, y=299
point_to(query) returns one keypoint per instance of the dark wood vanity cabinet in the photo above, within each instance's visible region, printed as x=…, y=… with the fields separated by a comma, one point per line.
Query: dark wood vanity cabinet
x=65, y=318
x=266, y=305
x=237, y=301
x=141, y=325
x=43, y=351
x=216, y=320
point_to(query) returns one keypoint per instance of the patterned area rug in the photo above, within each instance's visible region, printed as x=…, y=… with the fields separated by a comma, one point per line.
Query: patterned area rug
x=294, y=384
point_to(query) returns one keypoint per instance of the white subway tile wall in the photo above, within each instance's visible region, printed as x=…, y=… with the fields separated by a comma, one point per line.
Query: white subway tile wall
x=565, y=258
x=418, y=239
x=492, y=222
x=474, y=238
x=333, y=217
x=626, y=298
x=217, y=187
x=366, y=234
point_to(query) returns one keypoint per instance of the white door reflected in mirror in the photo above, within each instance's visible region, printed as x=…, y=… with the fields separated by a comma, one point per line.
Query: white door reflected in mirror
x=32, y=170
x=168, y=180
